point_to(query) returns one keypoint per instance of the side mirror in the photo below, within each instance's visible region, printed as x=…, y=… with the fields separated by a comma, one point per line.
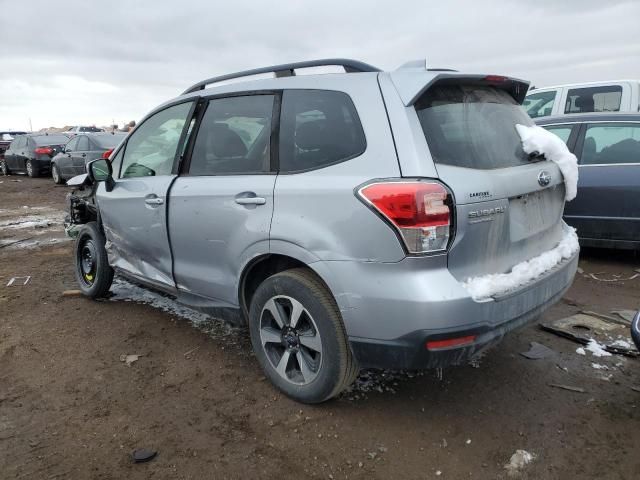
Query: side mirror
x=101, y=171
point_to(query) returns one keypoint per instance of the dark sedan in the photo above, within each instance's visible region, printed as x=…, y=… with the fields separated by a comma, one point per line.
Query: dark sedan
x=80, y=150
x=32, y=153
x=606, y=211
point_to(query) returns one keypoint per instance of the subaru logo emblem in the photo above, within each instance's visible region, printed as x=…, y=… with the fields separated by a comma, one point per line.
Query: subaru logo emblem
x=544, y=178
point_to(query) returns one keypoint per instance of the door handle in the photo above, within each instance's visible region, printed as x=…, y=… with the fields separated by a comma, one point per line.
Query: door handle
x=84, y=155
x=154, y=201
x=251, y=201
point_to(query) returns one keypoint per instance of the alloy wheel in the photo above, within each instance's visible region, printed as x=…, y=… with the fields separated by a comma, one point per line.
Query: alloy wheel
x=3, y=168
x=55, y=174
x=291, y=340
x=29, y=168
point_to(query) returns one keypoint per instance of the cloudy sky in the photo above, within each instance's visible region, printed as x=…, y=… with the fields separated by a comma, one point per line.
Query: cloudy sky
x=91, y=62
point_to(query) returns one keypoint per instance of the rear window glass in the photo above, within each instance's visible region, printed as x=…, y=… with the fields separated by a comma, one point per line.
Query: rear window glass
x=90, y=129
x=472, y=126
x=51, y=139
x=318, y=128
x=107, y=141
x=594, y=99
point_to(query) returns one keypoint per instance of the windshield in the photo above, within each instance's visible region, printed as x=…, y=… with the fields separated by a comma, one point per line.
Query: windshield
x=472, y=126
x=108, y=141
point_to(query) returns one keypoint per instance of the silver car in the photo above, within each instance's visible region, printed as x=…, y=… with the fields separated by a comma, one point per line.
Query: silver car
x=338, y=216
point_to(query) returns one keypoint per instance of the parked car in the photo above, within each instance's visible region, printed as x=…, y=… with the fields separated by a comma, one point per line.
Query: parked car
x=79, y=151
x=32, y=153
x=611, y=96
x=6, y=138
x=606, y=212
x=72, y=131
x=337, y=215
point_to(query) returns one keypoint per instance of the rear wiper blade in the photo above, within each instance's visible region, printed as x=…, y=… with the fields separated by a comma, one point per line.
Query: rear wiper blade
x=536, y=157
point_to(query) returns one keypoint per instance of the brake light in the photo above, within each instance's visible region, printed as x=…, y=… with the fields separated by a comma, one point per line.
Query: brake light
x=451, y=342
x=419, y=211
x=496, y=78
x=44, y=150
x=107, y=153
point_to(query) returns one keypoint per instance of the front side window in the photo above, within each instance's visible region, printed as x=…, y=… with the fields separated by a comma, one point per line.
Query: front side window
x=561, y=131
x=151, y=149
x=539, y=104
x=472, y=126
x=613, y=143
x=72, y=145
x=594, y=99
x=234, y=136
x=318, y=128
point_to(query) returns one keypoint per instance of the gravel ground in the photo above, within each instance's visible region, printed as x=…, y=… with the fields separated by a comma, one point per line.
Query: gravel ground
x=70, y=408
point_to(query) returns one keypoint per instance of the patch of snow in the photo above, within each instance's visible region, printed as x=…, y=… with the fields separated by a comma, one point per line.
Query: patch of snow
x=486, y=286
x=123, y=290
x=621, y=343
x=542, y=141
x=599, y=366
x=596, y=349
x=518, y=461
x=580, y=351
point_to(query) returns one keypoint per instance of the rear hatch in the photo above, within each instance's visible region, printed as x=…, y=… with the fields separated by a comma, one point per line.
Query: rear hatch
x=508, y=205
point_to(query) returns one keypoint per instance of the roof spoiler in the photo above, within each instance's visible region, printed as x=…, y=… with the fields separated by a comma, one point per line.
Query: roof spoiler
x=413, y=79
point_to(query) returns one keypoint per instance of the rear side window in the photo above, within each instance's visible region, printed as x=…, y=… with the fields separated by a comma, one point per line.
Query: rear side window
x=539, y=104
x=613, y=143
x=594, y=99
x=472, y=126
x=318, y=128
x=564, y=132
x=83, y=144
x=234, y=137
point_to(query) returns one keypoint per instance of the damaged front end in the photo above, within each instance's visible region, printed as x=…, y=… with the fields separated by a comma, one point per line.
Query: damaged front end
x=82, y=204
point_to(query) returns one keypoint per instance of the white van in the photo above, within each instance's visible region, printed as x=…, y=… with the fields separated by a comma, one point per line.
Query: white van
x=611, y=96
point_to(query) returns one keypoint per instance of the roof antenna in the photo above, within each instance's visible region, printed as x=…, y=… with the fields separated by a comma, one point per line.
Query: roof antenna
x=414, y=65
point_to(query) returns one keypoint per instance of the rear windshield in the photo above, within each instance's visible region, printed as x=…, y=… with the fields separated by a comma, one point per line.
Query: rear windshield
x=108, y=141
x=90, y=129
x=472, y=126
x=50, y=139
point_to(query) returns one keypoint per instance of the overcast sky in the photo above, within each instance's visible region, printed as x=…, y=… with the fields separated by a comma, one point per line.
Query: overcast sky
x=88, y=62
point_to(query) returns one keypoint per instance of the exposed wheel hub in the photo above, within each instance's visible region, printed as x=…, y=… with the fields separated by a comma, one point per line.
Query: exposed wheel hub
x=290, y=338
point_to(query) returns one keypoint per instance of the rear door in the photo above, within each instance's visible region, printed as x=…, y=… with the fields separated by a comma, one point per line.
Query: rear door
x=221, y=207
x=504, y=214
x=134, y=213
x=607, y=205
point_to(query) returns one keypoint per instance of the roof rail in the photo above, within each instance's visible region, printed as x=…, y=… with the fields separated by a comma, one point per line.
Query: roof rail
x=288, y=70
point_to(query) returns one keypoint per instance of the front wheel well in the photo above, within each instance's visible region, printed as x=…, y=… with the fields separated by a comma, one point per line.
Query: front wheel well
x=258, y=271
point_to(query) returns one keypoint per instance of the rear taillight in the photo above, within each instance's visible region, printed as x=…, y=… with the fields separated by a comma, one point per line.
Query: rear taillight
x=44, y=150
x=420, y=212
x=107, y=153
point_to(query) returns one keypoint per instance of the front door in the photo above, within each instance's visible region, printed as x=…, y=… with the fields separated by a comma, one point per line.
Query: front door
x=221, y=207
x=134, y=212
x=607, y=206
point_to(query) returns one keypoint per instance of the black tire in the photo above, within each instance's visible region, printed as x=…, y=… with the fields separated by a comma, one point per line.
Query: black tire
x=4, y=169
x=32, y=169
x=93, y=273
x=335, y=368
x=57, y=179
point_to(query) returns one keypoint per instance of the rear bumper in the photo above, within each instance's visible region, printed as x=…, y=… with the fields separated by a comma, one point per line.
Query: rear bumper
x=635, y=330
x=394, y=309
x=43, y=165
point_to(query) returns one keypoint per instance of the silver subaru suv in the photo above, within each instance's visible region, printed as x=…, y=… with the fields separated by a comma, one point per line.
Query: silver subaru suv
x=341, y=216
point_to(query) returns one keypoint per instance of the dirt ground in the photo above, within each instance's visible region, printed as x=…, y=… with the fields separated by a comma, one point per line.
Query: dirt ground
x=70, y=408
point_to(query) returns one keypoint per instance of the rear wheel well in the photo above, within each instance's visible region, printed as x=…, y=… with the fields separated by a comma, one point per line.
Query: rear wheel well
x=261, y=269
